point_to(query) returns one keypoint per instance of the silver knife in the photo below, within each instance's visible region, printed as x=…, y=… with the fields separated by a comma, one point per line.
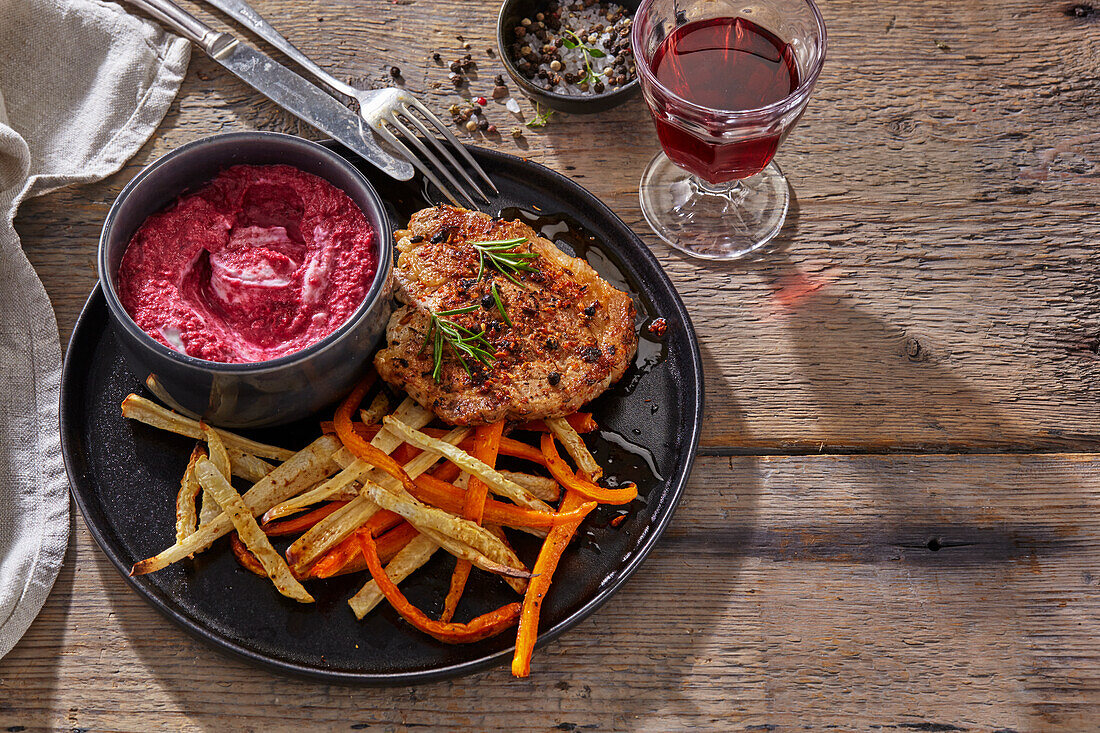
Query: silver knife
x=281, y=85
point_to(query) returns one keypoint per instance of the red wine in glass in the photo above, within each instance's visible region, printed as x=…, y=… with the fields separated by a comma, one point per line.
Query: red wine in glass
x=723, y=64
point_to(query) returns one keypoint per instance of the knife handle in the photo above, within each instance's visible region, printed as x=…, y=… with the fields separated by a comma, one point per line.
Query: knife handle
x=179, y=20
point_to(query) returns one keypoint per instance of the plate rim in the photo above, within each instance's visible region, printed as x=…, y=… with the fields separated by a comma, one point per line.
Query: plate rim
x=678, y=483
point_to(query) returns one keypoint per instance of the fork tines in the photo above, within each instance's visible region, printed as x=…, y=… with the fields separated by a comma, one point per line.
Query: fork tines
x=396, y=111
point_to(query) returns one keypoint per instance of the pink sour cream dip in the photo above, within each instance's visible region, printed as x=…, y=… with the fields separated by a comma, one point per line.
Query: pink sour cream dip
x=260, y=263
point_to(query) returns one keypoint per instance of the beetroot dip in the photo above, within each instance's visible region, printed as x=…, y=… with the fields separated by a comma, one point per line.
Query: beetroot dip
x=259, y=263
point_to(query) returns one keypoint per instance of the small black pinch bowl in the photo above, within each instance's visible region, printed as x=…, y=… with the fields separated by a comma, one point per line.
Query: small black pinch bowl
x=511, y=13
x=264, y=393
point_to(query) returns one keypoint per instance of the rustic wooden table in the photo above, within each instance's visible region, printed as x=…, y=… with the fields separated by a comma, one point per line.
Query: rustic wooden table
x=893, y=520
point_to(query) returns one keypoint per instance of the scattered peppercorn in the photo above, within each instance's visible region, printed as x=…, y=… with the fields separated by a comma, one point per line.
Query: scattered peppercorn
x=395, y=72
x=590, y=310
x=436, y=57
x=482, y=101
x=491, y=130
x=500, y=91
x=472, y=125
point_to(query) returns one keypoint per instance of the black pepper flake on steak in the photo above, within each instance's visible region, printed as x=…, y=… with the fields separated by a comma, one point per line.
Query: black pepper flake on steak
x=553, y=378
x=551, y=345
x=440, y=236
x=488, y=302
x=417, y=239
x=590, y=310
x=591, y=354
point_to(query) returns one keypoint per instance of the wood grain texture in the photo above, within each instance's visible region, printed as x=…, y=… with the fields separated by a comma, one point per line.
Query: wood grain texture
x=933, y=291
x=788, y=592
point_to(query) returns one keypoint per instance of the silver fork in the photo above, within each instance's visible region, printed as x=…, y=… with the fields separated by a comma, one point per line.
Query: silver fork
x=381, y=109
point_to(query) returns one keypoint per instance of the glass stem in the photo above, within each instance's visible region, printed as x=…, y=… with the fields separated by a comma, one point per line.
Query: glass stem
x=733, y=191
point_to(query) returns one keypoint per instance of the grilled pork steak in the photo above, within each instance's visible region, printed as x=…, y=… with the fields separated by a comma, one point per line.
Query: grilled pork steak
x=570, y=335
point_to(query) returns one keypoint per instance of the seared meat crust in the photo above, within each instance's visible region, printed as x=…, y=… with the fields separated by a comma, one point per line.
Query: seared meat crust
x=572, y=334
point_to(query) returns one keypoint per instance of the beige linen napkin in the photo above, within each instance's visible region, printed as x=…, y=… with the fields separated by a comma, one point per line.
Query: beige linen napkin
x=82, y=86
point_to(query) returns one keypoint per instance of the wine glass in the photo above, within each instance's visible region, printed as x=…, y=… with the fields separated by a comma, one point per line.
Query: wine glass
x=725, y=81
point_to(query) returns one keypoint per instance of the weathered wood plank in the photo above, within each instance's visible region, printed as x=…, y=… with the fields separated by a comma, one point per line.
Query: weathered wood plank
x=932, y=292
x=789, y=592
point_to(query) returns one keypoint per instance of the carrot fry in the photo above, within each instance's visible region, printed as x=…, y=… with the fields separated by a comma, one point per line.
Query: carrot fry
x=383, y=521
x=575, y=482
x=516, y=449
x=335, y=560
x=302, y=523
x=482, y=627
x=244, y=556
x=347, y=549
x=450, y=498
x=346, y=557
x=448, y=472
x=341, y=421
x=487, y=443
x=582, y=422
x=547, y=562
x=367, y=431
x=405, y=453
x=392, y=542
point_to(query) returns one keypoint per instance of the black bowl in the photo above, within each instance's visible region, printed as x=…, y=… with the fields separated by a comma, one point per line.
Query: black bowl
x=264, y=393
x=511, y=12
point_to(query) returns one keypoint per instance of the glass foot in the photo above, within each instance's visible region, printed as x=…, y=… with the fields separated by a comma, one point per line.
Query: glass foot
x=714, y=222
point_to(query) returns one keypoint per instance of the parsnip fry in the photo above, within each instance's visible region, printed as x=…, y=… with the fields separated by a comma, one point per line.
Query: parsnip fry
x=335, y=528
x=574, y=446
x=497, y=483
x=379, y=407
x=405, y=563
x=219, y=456
x=338, y=486
x=249, y=531
x=542, y=487
x=302, y=470
x=432, y=521
x=248, y=466
x=140, y=409
x=190, y=488
x=339, y=525
x=329, y=532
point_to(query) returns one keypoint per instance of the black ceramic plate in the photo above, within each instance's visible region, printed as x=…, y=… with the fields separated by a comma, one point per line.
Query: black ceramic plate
x=125, y=476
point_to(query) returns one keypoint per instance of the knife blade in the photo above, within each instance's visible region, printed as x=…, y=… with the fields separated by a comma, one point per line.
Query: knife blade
x=282, y=86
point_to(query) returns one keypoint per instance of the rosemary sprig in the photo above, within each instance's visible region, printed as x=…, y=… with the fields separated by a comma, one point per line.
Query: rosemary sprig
x=500, y=256
x=500, y=305
x=462, y=342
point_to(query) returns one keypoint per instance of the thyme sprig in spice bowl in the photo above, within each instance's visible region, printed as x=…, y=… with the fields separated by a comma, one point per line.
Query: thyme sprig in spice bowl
x=589, y=52
x=572, y=47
